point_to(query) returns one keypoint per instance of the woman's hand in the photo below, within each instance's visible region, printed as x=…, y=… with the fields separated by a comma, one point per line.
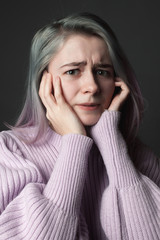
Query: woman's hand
x=60, y=115
x=120, y=97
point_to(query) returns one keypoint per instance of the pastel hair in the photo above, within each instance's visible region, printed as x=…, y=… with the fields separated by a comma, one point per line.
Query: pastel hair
x=46, y=43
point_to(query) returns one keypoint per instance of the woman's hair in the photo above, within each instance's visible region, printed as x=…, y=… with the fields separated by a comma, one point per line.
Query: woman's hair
x=45, y=45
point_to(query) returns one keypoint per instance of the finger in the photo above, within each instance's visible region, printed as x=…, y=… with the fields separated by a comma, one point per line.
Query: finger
x=41, y=89
x=48, y=88
x=41, y=86
x=58, y=91
x=118, y=79
x=46, y=91
x=123, y=94
x=122, y=85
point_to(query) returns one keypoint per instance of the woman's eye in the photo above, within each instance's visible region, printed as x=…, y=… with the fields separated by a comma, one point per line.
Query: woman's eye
x=103, y=73
x=73, y=72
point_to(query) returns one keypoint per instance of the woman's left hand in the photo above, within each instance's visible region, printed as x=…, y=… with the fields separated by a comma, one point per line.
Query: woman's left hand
x=120, y=97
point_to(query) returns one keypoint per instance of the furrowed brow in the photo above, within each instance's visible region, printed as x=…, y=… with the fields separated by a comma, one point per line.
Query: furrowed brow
x=74, y=64
x=103, y=65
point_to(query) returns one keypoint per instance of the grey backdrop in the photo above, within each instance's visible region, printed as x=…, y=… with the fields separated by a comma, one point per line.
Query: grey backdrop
x=136, y=24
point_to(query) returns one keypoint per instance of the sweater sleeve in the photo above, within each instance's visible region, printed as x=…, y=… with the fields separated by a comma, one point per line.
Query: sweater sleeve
x=130, y=207
x=31, y=209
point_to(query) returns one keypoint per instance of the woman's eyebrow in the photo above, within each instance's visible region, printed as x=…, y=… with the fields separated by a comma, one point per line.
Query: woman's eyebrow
x=83, y=63
x=74, y=64
x=103, y=65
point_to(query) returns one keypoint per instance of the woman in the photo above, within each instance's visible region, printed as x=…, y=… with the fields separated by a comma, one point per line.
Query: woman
x=72, y=167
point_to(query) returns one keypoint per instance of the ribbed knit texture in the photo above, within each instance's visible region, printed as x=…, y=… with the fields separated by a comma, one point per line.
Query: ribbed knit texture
x=77, y=187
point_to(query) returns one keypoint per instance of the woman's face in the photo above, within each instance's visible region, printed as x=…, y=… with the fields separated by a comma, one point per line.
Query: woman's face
x=87, y=76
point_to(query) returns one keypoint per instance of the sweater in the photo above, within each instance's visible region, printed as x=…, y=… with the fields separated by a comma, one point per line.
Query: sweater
x=78, y=187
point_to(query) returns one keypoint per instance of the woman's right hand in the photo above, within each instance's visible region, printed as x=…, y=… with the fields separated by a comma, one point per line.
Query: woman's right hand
x=59, y=113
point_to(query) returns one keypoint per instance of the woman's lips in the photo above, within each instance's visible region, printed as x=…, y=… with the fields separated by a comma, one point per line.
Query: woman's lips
x=88, y=107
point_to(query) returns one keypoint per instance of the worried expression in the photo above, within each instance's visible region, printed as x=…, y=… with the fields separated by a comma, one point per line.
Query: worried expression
x=87, y=76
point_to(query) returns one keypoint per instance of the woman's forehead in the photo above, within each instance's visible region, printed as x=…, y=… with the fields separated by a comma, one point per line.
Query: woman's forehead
x=82, y=47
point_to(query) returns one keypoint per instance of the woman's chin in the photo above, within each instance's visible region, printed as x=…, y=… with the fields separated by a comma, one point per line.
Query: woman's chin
x=90, y=121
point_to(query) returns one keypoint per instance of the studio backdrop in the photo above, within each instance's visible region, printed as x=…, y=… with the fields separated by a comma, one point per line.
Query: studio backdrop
x=135, y=23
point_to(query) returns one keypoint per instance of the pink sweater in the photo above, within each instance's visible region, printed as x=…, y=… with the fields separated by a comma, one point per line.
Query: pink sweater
x=77, y=187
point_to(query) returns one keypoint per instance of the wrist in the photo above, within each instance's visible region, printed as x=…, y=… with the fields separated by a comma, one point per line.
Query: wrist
x=106, y=126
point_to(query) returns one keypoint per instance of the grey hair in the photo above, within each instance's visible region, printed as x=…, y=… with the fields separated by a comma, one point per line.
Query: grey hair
x=45, y=45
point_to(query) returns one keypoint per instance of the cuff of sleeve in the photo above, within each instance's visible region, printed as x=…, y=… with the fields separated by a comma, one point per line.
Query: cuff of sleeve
x=120, y=169
x=107, y=124
x=66, y=183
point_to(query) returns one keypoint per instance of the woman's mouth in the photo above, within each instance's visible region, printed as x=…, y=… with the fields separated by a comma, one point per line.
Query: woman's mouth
x=88, y=106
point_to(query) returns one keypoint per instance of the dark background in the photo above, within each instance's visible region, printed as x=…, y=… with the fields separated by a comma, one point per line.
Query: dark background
x=136, y=24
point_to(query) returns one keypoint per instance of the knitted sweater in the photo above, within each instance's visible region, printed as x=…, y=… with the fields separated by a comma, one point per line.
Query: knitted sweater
x=78, y=187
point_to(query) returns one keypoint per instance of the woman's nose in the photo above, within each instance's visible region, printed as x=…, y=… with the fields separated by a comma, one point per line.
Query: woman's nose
x=90, y=84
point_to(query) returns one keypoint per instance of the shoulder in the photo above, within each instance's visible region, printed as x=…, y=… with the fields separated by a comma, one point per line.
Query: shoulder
x=15, y=144
x=19, y=158
x=25, y=137
x=16, y=168
x=8, y=141
x=12, y=140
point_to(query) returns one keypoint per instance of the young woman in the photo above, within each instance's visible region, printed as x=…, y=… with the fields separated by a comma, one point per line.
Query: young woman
x=72, y=167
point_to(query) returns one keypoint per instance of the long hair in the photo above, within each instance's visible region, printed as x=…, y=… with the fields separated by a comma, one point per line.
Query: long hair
x=45, y=45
